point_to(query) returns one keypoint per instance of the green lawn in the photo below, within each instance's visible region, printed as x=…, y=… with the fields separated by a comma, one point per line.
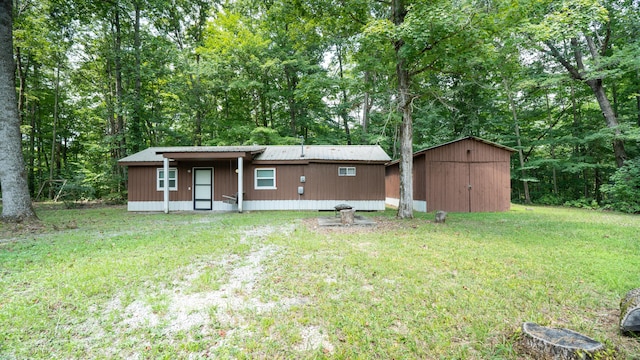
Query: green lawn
x=104, y=283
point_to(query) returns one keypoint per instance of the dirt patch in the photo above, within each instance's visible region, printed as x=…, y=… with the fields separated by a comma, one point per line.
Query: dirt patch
x=11, y=232
x=336, y=221
x=382, y=224
x=225, y=314
x=314, y=338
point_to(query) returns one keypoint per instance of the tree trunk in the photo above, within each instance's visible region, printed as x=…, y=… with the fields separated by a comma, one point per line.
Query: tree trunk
x=22, y=84
x=577, y=72
x=347, y=216
x=32, y=146
x=598, y=182
x=555, y=175
x=553, y=149
x=34, y=141
x=405, y=207
x=16, y=202
x=136, y=116
x=120, y=143
x=638, y=108
x=196, y=93
x=54, y=143
x=343, y=107
x=541, y=342
x=514, y=113
x=366, y=106
x=610, y=118
x=291, y=87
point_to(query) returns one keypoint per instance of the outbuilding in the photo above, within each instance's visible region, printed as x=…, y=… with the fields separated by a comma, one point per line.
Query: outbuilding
x=465, y=175
x=311, y=177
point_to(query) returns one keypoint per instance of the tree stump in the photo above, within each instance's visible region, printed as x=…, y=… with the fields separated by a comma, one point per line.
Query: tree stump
x=543, y=342
x=340, y=207
x=441, y=216
x=630, y=312
x=347, y=216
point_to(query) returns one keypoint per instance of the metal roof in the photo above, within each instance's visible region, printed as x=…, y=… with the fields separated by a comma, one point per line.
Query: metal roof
x=325, y=152
x=215, y=149
x=146, y=155
x=369, y=153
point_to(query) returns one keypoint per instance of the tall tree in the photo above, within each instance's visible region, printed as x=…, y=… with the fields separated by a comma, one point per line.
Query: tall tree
x=428, y=39
x=577, y=35
x=405, y=208
x=16, y=202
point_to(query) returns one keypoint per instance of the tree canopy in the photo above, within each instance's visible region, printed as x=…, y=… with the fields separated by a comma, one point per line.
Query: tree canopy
x=557, y=80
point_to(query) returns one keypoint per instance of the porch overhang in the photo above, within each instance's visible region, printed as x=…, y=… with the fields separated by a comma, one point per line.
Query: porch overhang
x=204, y=153
x=209, y=154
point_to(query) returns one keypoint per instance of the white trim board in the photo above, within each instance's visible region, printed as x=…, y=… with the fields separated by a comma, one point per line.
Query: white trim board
x=418, y=205
x=363, y=205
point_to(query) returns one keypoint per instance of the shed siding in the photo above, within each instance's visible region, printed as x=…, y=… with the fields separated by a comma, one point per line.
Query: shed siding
x=419, y=178
x=462, y=176
x=457, y=152
x=491, y=190
x=468, y=176
x=447, y=186
x=392, y=181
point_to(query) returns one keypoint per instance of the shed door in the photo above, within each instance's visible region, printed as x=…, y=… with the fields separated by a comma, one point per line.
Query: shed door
x=448, y=187
x=488, y=191
x=467, y=187
x=202, y=188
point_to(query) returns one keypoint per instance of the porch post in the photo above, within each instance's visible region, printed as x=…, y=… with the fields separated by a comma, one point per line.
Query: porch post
x=240, y=185
x=166, y=185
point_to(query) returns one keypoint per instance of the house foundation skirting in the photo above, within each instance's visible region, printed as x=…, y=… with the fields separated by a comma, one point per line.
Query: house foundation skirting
x=418, y=205
x=248, y=205
x=363, y=205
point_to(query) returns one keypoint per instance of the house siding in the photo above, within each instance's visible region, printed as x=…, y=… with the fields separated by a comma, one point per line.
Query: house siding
x=321, y=182
x=143, y=187
x=323, y=188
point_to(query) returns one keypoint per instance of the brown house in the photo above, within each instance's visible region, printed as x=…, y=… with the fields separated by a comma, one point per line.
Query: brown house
x=465, y=175
x=256, y=178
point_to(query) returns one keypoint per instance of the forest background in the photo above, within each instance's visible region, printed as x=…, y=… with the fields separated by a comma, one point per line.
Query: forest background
x=557, y=80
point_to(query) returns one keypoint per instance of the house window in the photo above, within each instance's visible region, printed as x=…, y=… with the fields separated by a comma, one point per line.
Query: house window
x=173, y=179
x=265, y=179
x=347, y=171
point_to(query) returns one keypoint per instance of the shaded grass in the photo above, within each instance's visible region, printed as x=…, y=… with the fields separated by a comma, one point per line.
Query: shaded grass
x=404, y=289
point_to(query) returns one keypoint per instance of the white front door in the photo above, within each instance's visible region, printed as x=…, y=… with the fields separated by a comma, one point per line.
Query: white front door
x=202, y=188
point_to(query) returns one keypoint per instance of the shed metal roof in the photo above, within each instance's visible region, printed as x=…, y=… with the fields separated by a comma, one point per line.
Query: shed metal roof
x=367, y=153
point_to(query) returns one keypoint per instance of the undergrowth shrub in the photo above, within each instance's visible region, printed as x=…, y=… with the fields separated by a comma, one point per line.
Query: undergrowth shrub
x=550, y=199
x=116, y=198
x=583, y=203
x=623, y=191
